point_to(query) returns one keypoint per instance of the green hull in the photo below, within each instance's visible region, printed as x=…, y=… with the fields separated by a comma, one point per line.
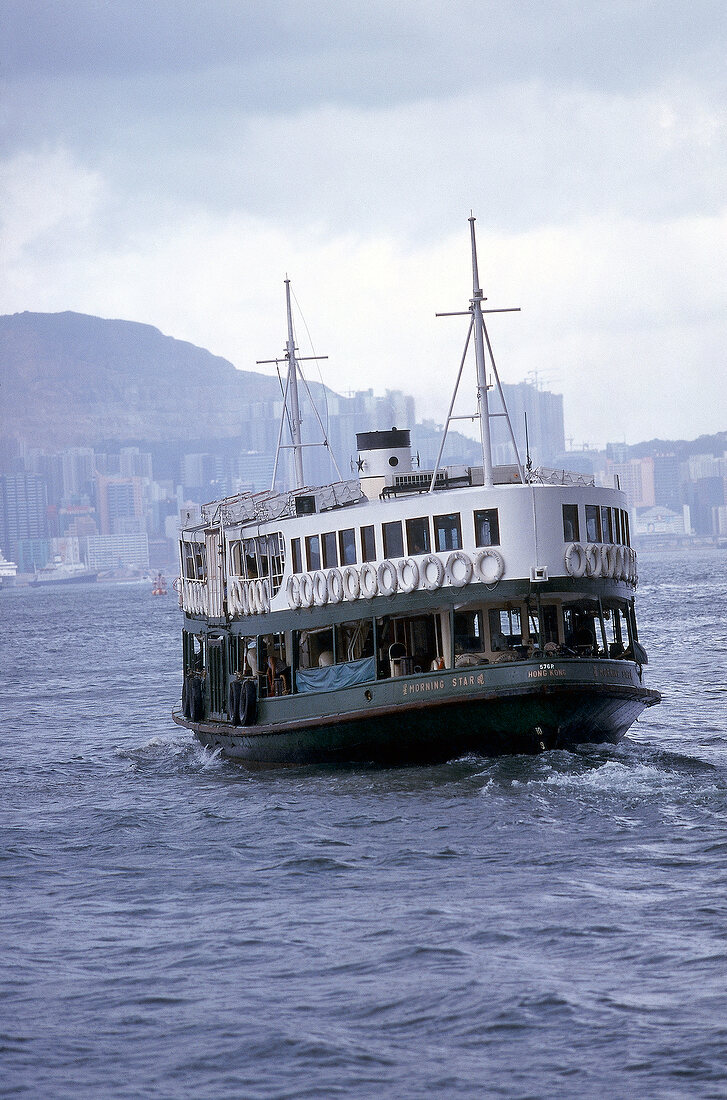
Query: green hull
x=521, y=708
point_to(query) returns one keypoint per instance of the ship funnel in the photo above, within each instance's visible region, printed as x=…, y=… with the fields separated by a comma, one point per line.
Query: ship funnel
x=381, y=454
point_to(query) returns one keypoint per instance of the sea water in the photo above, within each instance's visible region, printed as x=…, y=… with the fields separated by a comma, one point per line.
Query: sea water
x=175, y=925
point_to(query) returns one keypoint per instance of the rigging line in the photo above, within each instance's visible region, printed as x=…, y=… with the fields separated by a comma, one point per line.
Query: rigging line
x=320, y=374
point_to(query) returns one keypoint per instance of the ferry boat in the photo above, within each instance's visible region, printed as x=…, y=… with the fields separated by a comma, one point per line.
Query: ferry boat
x=410, y=615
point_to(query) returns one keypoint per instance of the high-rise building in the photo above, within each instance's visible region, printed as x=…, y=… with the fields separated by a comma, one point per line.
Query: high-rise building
x=23, y=510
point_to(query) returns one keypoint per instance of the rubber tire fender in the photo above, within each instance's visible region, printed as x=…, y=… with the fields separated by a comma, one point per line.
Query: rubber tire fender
x=248, y=703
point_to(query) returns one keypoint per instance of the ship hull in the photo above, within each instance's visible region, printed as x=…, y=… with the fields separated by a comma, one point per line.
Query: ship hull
x=429, y=719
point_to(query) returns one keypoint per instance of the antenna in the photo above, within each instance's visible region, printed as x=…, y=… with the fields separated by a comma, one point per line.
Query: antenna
x=528, y=463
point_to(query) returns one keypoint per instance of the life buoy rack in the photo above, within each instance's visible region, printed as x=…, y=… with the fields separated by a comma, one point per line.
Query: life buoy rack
x=407, y=583
x=388, y=578
x=456, y=558
x=488, y=565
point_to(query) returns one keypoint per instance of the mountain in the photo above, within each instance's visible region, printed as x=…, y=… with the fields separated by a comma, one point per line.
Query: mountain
x=67, y=379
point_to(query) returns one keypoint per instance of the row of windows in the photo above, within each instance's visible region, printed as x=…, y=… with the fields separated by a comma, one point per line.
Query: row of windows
x=420, y=535
x=602, y=524
x=262, y=556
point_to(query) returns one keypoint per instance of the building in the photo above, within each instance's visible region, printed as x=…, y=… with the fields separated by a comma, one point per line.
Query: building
x=23, y=514
x=107, y=552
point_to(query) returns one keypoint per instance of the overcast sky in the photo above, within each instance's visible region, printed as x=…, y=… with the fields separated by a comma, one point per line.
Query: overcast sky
x=169, y=162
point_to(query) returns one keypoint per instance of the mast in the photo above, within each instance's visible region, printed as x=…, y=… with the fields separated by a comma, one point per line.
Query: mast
x=483, y=411
x=290, y=392
x=292, y=386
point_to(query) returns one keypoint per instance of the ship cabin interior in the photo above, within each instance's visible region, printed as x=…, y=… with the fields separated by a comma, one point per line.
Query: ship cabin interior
x=363, y=650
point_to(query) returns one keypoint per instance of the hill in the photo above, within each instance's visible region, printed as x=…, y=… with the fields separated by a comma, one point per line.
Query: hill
x=68, y=378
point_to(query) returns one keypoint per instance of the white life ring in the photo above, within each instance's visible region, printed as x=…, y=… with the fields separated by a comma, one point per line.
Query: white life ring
x=593, y=560
x=369, y=581
x=351, y=583
x=489, y=565
x=320, y=588
x=459, y=557
x=254, y=597
x=605, y=561
x=388, y=578
x=407, y=566
x=264, y=598
x=575, y=560
x=335, y=586
x=431, y=561
x=306, y=590
x=293, y=590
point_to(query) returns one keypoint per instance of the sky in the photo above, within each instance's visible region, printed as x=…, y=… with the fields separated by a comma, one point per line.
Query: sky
x=171, y=161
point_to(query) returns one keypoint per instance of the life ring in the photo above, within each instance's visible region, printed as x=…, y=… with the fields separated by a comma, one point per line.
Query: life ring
x=489, y=565
x=575, y=560
x=264, y=595
x=431, y=561
x=368, y=581
x=407, y=565
x=604, y=560
x=293, y=590
x=320, y=588
x=351, y=582
x=334, y=583
x=593, y=560
x=388, y=578
x=306, y=590
x=458, y=557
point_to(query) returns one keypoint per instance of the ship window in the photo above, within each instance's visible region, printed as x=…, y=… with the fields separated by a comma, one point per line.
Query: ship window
x=627, y=535
x=505, y=628
x=571, y=530
x=617, y=524
x=296, y=556
x=487, y=528
x=236, y=558
x=330, y=557
x=200, y=561
x=393, y=540
x=579, y=630
x=417, y=535
x=593, y=523
x=368, y=544
x=447, y=532
x=469, y=638
x=347, y=546
x=607, y=524
x=313, y=552
x=548, y=621
x=190, y=569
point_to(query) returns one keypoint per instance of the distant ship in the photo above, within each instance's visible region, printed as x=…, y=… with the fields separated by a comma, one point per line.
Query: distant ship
x=411, y=615
x=56, y=572
x=8, y=571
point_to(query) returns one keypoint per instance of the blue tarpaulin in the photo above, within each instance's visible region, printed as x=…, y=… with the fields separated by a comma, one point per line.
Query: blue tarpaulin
x=336, y=676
